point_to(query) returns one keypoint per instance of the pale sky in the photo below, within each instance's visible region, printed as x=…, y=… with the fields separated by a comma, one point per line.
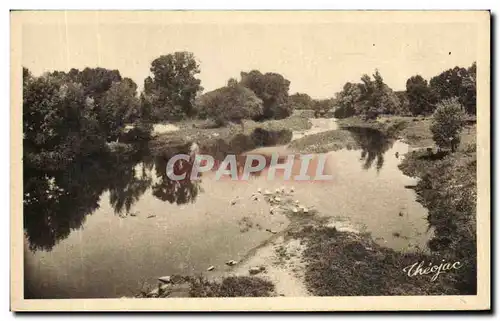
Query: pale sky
x=318, y=57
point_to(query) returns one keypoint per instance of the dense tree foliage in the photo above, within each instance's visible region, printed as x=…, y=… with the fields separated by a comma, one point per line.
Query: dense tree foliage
x=95, y=81
x=447, y=123
x=272, y=89
x=347, y=100
x=230, y=104
x=372, y=97
x=421, y=99
x=68, y=116
x=378, y=98
x=457, y=82
x=404, y=103
x=322, y=106
x=301, y=101
x=173, y=86
x=369, y=98
x=60, y=123
x=119, y=105
x=469, y=83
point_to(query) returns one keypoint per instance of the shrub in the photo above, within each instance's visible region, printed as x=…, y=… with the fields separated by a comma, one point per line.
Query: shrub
x=447, y=123
x=233, y=286
x=272, y=89
x=230, y=103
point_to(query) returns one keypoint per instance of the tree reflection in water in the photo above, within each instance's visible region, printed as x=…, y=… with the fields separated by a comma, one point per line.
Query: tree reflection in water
x=373, y=144
x=127, y=188
x=58, y=201
x=175, y=191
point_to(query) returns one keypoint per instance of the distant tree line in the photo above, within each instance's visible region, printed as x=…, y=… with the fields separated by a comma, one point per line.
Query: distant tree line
x=320, y=106
x=372, y=97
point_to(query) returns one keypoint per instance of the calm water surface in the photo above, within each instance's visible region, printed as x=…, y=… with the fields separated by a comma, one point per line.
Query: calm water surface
x=119, y=223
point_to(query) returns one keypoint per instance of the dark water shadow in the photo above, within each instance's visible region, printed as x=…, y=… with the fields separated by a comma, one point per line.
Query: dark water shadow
x=57, y=202
x=373, y=144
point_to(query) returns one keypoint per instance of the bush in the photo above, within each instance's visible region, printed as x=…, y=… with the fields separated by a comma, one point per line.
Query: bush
x=272, y=89
x=322, y=107
x=231, y=103
x=233, y=286
x=447, y=123
x=301, y=101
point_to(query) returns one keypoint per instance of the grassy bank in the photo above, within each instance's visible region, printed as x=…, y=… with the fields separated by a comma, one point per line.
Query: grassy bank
x=448, y=189
x=350, y=264
x=413, y=130
x=233, y=286
x=347, y=263
x=349, y=135
x=324, y=142
x=200, y=287
x=416, y=131
x=201, y=133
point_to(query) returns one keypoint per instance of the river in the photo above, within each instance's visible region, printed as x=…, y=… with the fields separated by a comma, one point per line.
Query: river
x=124, y=223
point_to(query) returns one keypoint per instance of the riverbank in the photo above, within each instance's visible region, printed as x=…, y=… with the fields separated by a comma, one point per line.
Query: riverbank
x=345, y=136
x=314, y=256
x=447, y=187
x=205, y=136
x=327, y=257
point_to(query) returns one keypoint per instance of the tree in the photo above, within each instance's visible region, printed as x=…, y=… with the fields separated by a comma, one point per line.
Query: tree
x=447, y=123
x=301, y=101
x=469, y=85
x=231, y=103
x=119, y=105
x=376, y=97
x=173, y=86
x=272, y=89
x=27, y=76
x=404, y=103
x=95, y=81
x=457, y=82
x=59, y=123
x=420, y=97
x=232, y=82
x=384, y=98
x=348, y=100
x=321, y=107
x=114, y=98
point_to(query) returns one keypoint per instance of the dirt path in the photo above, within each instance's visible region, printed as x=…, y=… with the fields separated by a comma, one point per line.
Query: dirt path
x=283, y=266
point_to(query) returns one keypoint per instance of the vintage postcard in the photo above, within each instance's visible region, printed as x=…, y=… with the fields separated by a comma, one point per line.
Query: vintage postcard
x=250, y=161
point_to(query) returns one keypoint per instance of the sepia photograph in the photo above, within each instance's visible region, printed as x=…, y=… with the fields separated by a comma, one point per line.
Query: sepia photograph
x=278, y=160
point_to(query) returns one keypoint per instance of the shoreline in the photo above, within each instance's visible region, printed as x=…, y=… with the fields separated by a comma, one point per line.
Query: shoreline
x=285, y=259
